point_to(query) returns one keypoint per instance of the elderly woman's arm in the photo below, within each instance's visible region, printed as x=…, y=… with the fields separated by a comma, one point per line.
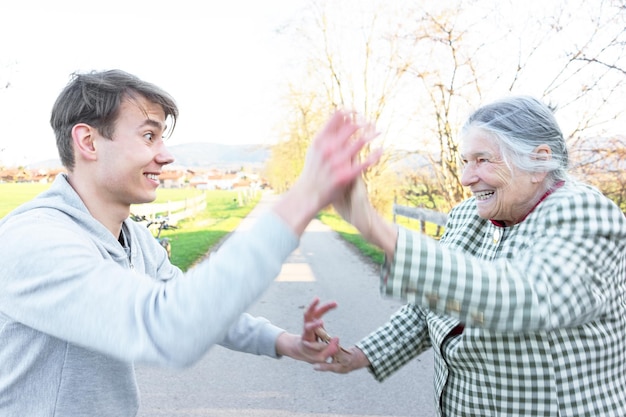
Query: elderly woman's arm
x=354, y=206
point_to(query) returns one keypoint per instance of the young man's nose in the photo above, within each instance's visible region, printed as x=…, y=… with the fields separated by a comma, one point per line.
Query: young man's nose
x=164, y=156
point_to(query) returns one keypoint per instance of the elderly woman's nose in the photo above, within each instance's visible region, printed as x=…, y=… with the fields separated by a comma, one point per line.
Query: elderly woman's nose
x=468, y=175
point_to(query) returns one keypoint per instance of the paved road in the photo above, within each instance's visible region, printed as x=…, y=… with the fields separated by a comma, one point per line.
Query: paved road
x=229, y=384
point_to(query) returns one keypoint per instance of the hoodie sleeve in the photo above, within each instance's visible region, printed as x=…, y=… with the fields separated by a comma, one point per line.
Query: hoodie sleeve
x=57, y=279
x=255, y=335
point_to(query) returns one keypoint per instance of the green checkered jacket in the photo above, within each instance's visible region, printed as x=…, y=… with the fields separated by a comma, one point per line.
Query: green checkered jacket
x=543, y=304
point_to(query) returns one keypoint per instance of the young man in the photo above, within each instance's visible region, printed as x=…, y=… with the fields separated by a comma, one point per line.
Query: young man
x=85, y=292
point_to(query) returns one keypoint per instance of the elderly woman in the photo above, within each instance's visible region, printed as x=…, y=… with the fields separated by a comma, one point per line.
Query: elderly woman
x=524, y=298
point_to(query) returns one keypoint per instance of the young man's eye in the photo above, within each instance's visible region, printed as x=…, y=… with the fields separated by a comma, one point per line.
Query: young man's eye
x=149, y=136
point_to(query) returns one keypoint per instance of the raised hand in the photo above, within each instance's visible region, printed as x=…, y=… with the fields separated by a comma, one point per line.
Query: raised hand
x=332, y=161
x=331, y=166
x=353, y=206
x=307, y=347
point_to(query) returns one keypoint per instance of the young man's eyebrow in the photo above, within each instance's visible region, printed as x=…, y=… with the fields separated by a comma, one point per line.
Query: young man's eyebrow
x=154, y=123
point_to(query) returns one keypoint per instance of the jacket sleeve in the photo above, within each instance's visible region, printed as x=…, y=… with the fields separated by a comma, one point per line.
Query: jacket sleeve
x=394, y=344
x=565, y=274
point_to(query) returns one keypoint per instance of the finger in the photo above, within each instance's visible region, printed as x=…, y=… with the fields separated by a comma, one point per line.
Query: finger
x=309, y=314
x=372, y=159
x=331, y=367
x=329, y=146
x=317, y=347
x=324, y=308
x=351, y=152
x=338, y=129
x=311, y=325
x=319, y=352
x=309, y=329
x=366, y=136
x=331, y=349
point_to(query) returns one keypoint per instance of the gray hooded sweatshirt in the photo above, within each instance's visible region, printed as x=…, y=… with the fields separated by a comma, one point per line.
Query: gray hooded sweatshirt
x=77, y=310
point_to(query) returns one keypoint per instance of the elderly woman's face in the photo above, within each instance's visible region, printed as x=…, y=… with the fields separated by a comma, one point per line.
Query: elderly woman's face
x=502, y=193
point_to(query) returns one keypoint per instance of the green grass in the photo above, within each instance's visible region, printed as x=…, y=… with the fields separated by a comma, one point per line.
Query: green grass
x=351, y=235
x=165, y=195
x=194, y=237
x=13, y=194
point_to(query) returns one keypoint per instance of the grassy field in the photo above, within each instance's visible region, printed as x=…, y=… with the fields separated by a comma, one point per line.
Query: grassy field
x=12, y=195
x=194, y=237
x=351, y=235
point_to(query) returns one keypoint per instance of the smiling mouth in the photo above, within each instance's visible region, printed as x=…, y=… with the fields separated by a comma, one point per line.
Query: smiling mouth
x=483, y=195
x=153, y=177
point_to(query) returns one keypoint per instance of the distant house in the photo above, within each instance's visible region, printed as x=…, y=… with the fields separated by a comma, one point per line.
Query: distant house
x=14, y=175
x=242, y=183
x=42, y=176
x=221, y=181
x=172, y=179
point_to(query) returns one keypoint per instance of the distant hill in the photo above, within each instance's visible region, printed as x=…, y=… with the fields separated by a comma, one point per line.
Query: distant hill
x=200, y=155
x=205, y=155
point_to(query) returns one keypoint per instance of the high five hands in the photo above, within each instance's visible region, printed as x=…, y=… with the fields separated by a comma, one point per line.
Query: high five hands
x=332, y=162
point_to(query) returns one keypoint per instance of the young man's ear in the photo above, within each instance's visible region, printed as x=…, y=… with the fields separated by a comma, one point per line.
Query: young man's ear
x=83, y=137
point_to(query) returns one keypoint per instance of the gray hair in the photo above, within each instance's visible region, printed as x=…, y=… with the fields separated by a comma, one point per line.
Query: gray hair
x=520, y=124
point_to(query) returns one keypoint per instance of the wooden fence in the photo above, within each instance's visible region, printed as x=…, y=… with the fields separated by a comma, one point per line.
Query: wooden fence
x=174, y=210
x=422, y=215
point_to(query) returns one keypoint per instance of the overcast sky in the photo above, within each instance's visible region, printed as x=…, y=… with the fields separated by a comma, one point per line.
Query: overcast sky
x=223, y=61
x=220, y=60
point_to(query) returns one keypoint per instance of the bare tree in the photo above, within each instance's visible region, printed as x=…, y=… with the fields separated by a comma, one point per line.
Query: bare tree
x=448, y=86
x=5, y=83
x=287, y=156
x=418, y=68
x=582, y=75
x=602, y=163
x=352, y=65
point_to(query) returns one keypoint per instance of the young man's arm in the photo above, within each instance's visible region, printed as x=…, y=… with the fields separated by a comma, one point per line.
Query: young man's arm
x=332, y=164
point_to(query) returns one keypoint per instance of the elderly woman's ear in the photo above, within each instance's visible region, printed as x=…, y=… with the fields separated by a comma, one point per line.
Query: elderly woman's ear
x=541, y=153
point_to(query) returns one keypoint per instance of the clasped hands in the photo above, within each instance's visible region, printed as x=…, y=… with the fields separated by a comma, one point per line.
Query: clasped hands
x=323, y=350
x=332, y=174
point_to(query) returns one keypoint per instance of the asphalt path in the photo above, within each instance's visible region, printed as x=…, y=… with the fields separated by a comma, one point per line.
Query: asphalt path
x=228, y=384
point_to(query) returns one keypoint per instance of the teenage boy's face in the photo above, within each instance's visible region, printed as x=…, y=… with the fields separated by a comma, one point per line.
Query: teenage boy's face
x=131, y=161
